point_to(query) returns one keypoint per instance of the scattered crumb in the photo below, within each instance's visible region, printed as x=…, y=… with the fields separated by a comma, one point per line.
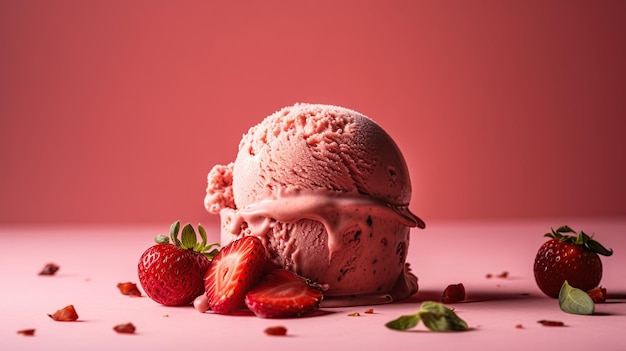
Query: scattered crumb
x=453, y=293
x=49, y=269
x=519, y=326
x=129, y=289
x=126, y=328
x=503, y=275
x=278, y=330
x=27, y=332
x=369, y=311
x=166, y=315
x=598, y=294
x=66, y=314
x=354, y=314
x=548, y=323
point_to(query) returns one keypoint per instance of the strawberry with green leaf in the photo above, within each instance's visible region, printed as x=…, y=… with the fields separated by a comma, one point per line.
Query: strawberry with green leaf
x=572, y=258
x=172, y=274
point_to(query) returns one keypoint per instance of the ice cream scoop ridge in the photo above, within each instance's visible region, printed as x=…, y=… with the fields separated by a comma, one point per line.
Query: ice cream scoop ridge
x=327, y=191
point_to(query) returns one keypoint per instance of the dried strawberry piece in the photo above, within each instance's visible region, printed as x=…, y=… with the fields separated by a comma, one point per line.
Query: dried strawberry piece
x=453, y=293
x=549, y=323
x=125, y=328
x=66, y=314
x=129, y=288
x=597, y=294
x=278, y=330
x=27, y=332
x=49, y=269
x=369, y=311
x=503, y=275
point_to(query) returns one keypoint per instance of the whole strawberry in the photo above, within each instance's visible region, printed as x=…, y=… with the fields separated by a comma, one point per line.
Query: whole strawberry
x=568, y=257
x=173, y=274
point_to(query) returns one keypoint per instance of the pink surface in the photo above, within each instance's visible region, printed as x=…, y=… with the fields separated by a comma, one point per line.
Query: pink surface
x=444, y=253
x=115, y=111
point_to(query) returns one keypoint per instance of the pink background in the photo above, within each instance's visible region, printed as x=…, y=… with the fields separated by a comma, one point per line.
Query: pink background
x=114, y=111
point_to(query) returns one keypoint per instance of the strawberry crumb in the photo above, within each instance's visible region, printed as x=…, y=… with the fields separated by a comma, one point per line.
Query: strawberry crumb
x=27, y=332
x=503, y=275
x=369, y=311
x=66, y=314
x=519, y=326
x=126, y=328
x=453, y=293
x=548, y=323
x=278, y=330
x=129, y=289
x=49, y=269
x=598, y=294
x=489, y=276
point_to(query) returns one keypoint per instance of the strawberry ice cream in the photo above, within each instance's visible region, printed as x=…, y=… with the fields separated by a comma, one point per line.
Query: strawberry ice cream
x=327, y=190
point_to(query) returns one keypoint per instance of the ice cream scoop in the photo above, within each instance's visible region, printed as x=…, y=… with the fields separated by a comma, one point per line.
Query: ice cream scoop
x=327, y=190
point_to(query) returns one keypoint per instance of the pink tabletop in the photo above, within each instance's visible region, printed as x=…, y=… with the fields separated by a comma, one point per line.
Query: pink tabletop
x=502, y=313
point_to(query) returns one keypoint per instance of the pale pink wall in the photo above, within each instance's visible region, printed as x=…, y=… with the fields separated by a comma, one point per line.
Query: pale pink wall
x=116, y=110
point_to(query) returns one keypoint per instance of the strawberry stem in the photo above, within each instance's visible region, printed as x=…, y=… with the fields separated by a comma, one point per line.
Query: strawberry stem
x=189, y=240
x=582, y=239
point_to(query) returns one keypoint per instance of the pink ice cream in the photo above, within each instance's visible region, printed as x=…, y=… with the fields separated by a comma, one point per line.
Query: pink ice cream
x=327, y=190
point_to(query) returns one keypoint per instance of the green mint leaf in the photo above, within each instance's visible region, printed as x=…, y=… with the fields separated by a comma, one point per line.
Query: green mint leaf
x=575, y=301
x=439, y=318
x=435, y=316
x=188, y=237
x=404, y=322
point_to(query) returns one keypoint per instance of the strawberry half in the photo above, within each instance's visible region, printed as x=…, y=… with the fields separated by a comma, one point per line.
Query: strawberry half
x=571, y=258
x=233, y=272
x=283, y=293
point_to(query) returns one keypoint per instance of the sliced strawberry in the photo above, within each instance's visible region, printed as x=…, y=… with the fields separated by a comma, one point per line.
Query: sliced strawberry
x=233, y=272
x=283, y=293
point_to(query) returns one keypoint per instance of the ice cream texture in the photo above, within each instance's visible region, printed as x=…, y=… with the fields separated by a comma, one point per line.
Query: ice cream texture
x=327, y=190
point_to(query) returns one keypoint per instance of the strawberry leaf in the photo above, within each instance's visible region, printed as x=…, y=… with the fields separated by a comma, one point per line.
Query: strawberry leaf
x=188, y=237
x=202, y=234
x=174, y=228
x=575, y=301
x=598, y=248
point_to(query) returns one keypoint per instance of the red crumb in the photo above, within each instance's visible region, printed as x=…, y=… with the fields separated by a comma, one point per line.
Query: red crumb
x=369, y=311
x=503, y=275
x=27, y=332
x=49, y=269
x=278, y=330
x=66, y=314
x=519, y=326
x=354, y=314
x=129, y=288
x=126, y=328
x=453, y=293
x=489, y=275
x=547, y=323
x=598, y=294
